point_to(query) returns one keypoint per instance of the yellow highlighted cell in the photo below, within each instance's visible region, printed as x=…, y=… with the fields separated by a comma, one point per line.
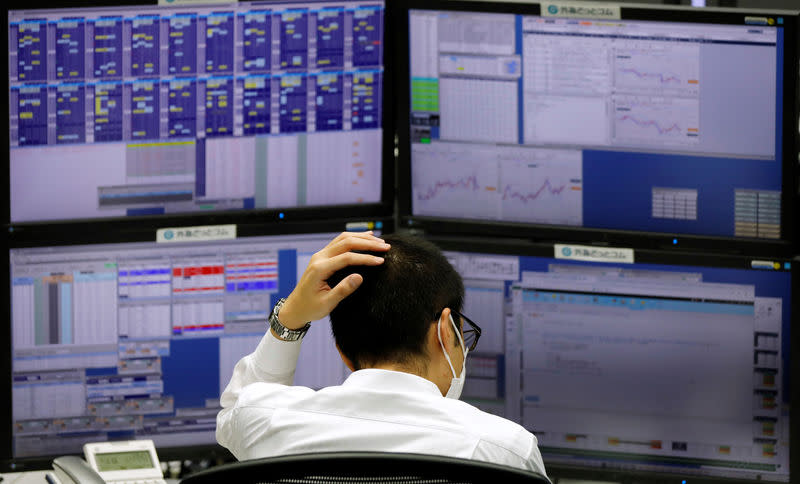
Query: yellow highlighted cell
x=157, y=145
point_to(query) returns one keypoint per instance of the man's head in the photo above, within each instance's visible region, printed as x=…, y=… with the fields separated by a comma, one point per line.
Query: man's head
x=388, y=319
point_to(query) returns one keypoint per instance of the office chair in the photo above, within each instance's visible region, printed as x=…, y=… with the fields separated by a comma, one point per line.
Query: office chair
x=364, y=468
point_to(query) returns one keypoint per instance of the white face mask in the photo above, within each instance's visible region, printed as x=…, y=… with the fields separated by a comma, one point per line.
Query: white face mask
x=457, y=383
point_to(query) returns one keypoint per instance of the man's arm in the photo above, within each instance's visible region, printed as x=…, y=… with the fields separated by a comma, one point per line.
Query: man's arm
x=535, y=461
x=275, y=360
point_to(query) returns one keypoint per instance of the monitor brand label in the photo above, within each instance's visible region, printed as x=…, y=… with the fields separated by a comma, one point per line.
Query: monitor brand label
x=594, y=254
x=581, y=10
x=196, y=234
x=771, y=265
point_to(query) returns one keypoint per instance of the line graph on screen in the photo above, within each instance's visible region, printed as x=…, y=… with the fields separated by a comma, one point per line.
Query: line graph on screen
x=542, y=191
x=455, y=183
x=647, y=68
x=465, y=183
x=507, y=184
x=655, y=76
x=547, y=188
x=646, y=123
x=656, y=120
x=515, y=184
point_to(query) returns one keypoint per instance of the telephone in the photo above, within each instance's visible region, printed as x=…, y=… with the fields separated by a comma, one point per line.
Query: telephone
x=111, y=462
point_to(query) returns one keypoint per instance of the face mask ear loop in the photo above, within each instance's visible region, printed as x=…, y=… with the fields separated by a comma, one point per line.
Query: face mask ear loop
x=463, y=347
x=447, y=356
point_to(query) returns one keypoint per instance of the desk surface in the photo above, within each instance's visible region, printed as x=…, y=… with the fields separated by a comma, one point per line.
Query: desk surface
x=37, y=477
x=24, y=477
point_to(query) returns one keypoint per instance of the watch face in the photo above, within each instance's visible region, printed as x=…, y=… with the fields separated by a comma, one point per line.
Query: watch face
x=276, y=309
x=284, y=332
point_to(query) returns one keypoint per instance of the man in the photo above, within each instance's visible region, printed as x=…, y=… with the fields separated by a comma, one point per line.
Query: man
x=395, y=315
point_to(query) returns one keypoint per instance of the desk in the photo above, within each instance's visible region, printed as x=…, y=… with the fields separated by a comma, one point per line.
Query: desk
x=24, y=477
x=37, y=477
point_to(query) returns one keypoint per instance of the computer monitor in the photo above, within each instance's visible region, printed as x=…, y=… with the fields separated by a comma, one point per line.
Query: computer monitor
x=140, y=109
x=665, y=368
x=598, y=121
x=137, y=340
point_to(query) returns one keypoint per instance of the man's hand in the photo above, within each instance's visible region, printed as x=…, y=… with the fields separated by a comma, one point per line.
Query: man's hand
x=312, y=298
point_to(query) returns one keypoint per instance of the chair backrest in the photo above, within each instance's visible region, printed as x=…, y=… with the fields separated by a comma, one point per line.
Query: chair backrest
x=364, y=468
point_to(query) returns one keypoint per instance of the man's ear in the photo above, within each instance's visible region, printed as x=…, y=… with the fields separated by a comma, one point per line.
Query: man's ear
x=446, y=329
x=347, y=361
x=436, y=331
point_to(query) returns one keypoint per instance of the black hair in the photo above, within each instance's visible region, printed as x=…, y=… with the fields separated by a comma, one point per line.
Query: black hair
x=387, y=318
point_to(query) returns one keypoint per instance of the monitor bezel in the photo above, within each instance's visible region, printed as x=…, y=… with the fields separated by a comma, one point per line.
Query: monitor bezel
x=34, y=239
x=647, y=239
x=380, y=208
x=522, y=247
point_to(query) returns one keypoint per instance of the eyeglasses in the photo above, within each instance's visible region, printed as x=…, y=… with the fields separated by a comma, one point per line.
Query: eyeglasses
x=471, y=334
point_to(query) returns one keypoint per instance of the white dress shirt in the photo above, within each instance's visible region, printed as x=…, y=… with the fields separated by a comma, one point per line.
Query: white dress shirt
x=373, y=410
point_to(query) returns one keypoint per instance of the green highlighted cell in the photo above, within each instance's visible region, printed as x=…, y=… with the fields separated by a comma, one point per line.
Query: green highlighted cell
x=424, y=94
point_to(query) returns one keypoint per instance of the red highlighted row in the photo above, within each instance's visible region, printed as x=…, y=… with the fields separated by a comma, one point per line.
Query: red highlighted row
x=196, y=289
x=252, y=277
x=252, y=264
x=197, y=271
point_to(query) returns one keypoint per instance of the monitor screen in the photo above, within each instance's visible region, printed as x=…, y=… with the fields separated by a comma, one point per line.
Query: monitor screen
x=668, y=365
x=650, y=120
x=146, y=110
x=138, y=340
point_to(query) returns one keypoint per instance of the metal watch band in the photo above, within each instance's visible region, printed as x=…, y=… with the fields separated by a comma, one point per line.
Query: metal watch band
x=281, y=330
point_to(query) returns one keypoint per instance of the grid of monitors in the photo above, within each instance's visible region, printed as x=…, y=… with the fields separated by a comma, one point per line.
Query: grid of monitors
x=146, y=110
x=138, y=340
x=654, y=367
x=651, y=120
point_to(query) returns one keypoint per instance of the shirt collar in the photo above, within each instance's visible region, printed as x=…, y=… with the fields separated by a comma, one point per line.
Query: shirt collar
x=377, y=379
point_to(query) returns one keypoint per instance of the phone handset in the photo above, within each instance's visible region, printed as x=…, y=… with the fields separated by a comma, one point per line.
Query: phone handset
x=71, y=469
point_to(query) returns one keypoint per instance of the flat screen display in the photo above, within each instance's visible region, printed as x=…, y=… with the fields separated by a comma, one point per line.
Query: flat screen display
x=665, y=366
x=148, y=110
x=526, y=116
x=138, y=340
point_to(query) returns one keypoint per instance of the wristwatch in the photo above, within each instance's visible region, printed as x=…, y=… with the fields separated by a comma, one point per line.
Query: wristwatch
x=281, y=330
